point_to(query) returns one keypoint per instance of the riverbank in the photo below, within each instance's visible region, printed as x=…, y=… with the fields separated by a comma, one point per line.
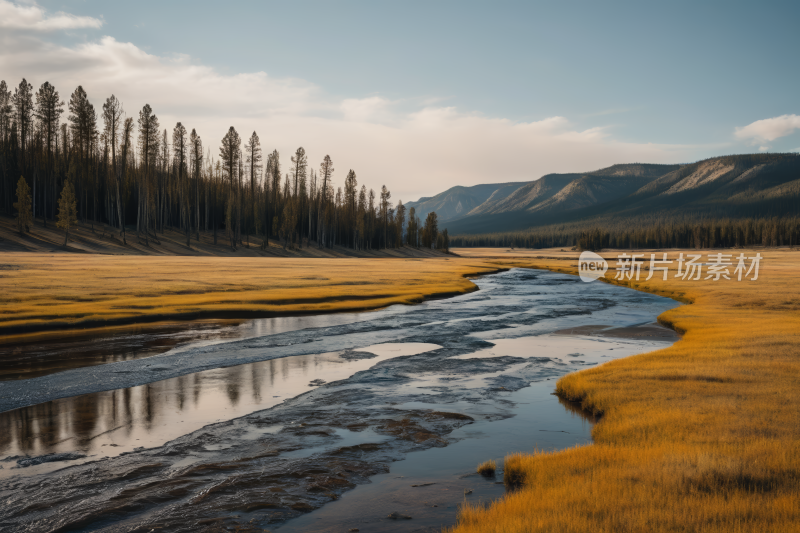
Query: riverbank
x=701, y=436
x=63, y=293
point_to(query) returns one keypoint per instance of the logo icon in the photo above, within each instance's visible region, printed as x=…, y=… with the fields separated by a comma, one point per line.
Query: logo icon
x=591, y=266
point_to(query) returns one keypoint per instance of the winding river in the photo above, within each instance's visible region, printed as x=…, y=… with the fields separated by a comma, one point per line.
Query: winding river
x=318, y=423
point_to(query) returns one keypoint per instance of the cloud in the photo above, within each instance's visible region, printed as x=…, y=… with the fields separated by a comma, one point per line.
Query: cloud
x=33, y=17
x=413, y=151
x=763, y=148
x=369, y=109
x=768, y=129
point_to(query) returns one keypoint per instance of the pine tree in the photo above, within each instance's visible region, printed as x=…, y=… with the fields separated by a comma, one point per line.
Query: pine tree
x=384, y=207
x=83, y=124
x=229, y=153
x=350, y=192
x=48, y=112
x=299, y=169
x=179, y=148
x=23, y=115
x=127, y=141
x=196, y=152
x=112, y=115
x=400, y=220
x=412, y=232
x=5, y=132
x=431, y=230
x=274, y=175
x=253, y=150
x=272, y=182
x=325, y=174
x=23, y=206
x=361, y=216
x=148, y=147
x=299, y=173
x=67, y=210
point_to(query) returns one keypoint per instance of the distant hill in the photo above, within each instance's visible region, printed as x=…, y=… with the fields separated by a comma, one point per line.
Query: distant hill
x=458, y=201
x=756, y=185
x=571, y=191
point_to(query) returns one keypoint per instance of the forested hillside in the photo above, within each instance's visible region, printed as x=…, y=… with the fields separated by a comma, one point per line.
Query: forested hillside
x=755, y=196
x=103, y=167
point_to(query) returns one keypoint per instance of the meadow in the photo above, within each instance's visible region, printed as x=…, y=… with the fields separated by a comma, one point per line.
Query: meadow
x=58, y=292
x=702, y=436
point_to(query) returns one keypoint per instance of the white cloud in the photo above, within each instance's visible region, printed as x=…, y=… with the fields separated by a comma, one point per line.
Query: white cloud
x=763, y=148
x=371, y=109
x=769, y=129
x=33, y=17
x=415, y=153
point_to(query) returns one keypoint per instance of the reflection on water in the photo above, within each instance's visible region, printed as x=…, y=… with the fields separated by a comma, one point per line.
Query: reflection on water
x=40, y=358
x=116, y=421
x=575, y=409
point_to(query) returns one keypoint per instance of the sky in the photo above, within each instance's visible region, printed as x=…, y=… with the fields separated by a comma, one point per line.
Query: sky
x=422, y=96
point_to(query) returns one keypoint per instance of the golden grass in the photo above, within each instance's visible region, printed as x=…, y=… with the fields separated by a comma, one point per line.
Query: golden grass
x=45, y=292
x=487, y=468
x=701, y=436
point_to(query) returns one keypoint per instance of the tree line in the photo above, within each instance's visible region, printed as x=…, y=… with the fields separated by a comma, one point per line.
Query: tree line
x=677, y=232
x=103, y=167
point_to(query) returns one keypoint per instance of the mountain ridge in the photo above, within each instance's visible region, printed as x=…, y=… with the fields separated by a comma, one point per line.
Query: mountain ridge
x=457, y=201
x=727, y=186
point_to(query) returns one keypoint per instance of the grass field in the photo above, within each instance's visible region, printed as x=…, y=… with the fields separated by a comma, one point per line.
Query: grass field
x=44, y=292
x=701, y=436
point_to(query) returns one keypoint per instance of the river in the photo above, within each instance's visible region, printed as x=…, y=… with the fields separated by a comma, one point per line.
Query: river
x=315, y=423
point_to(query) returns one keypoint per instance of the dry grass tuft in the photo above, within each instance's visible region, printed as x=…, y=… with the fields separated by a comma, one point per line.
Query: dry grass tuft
x=487, y=468
x=515, y=470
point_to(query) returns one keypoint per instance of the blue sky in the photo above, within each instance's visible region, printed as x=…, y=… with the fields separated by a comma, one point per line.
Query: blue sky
x=566, y=86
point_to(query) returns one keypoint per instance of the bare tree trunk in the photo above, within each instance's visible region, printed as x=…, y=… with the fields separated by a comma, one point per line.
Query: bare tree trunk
x=119, y=212
x=44, y=199
x=197, y=208
x=146, y=213
x=214, y=219
x=33, y=202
